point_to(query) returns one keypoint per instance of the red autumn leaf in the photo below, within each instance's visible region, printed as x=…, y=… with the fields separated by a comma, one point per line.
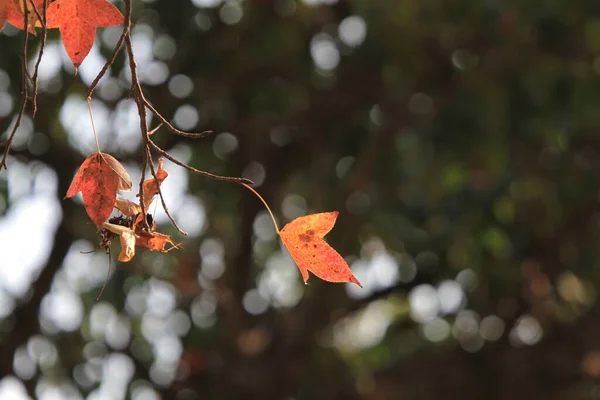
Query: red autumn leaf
x=3, y=12
x=15, y=13
x=303, y=237
x=99, y=178
x=151, y=185
x=78, y=20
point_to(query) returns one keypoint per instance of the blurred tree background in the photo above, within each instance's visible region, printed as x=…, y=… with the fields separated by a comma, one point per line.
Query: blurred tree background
x=458, y=139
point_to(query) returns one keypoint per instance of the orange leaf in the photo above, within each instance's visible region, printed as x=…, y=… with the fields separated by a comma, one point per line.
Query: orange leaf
x=303, y=237
x=3, y=12
x=155, y=241
x=77, y=21
x=15, y=13
x=151, y=240
x=151, y=185
x=99, y=178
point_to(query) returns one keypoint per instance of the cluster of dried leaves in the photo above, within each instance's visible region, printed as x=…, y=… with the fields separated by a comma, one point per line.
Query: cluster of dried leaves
x=98, y=179
x=101, y=176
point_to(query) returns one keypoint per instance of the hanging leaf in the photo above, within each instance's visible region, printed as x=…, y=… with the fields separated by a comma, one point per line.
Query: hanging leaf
x=78, y=20
x=151, y=185
x=15, y=13
x=303, y=237
x=3, y=13
x=127, y=239
x=98, y=179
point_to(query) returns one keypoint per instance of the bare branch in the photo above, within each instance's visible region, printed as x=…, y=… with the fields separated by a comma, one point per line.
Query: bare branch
x=34, y=78
x=24, y=95
x=153, y=131
x=162, y=200
x=170, y=127
x=197, y=171
x=111, y=59
x=138, y=97
x=38, y=15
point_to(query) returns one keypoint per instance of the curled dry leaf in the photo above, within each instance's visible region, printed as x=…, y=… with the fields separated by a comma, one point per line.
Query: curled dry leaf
x=127, y=239
x=151, y=240
x=99, y=178
x=130, y=238
x=126, y=207
x=151, y=185
x=156, y=241
x=139, y=227
x=303, y=237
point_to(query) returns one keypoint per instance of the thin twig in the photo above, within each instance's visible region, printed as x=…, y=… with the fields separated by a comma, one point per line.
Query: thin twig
x=162, y=200
x=149, y=145
x=34, y=78
x=111, y=59
x=138, y=97
x=145, y=161
x=24, y=95
x=153, y=131
x=8, y=141
x=170, y=127
x=26, y=13
x=197, y=171
x=38, y=15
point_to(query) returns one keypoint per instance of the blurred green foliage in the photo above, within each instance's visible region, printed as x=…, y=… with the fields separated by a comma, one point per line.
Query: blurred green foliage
x=458, y=139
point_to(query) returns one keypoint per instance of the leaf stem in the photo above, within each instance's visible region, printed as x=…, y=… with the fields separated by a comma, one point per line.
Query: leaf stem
x=89, y=102
x=105, y=280
x=265, y=203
